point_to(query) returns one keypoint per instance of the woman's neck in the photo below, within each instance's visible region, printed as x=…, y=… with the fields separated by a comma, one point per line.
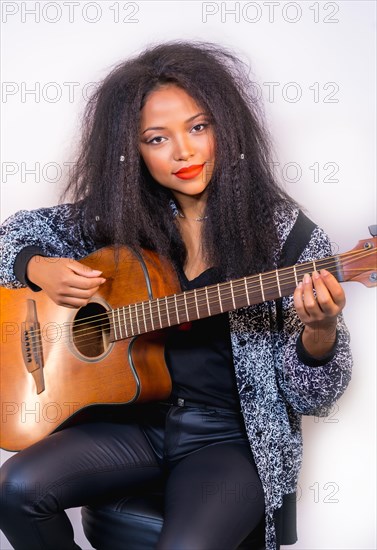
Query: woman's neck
x=191, y=207
x=191, y=233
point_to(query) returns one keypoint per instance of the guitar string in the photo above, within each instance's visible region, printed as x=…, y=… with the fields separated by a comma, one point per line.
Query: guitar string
x=267, y=276
x=224, y=298
x=212, y=289
x=99, y=329
x=97, y=335
x=185, y=297
x=164, y=317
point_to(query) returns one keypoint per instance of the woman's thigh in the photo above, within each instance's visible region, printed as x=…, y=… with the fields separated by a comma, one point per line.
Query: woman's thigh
x=213, y=499
x=75, y=465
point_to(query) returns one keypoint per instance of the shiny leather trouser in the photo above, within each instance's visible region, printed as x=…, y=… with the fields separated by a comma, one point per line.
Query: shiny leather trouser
x=213, y=495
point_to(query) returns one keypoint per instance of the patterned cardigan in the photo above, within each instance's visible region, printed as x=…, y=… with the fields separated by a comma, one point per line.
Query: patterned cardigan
x=277, y=380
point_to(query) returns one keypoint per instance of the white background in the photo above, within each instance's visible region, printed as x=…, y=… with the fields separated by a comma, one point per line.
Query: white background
x=321, y=112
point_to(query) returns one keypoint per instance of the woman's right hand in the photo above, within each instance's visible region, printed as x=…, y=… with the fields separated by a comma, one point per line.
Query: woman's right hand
x=67, y=282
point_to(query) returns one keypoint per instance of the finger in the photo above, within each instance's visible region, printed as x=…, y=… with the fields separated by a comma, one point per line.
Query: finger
x=76, y=297
x=335, y=289
x=309, y=299
x=69, y=279
x=299, y=303
x=83, y=270
x=324, y=298
x=81, y=294
x=83, y=283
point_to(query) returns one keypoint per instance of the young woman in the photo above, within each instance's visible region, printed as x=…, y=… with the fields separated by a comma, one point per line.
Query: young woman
x=174, y=158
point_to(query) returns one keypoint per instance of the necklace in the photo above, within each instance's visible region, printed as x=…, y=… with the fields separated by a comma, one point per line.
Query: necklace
x=198, y=219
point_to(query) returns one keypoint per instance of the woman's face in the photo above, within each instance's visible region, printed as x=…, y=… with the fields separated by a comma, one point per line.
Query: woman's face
x=177, y=141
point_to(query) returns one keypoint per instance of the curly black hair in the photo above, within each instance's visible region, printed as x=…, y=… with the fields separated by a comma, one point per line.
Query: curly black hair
x=239, y=235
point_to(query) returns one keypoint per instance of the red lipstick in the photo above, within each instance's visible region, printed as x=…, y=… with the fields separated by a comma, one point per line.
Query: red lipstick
x=189, y=172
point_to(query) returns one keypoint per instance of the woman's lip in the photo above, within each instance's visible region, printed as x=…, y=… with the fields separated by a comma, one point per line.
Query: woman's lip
x=189, y=172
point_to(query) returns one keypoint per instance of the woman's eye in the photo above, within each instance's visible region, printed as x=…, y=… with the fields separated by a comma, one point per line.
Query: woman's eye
x=200, y=127
x=156, y=140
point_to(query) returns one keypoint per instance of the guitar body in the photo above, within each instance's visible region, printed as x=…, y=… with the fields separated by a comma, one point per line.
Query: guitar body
x=56, y=361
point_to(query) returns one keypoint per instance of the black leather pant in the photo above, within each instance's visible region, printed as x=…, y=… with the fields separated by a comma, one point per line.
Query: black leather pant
x=214, y=497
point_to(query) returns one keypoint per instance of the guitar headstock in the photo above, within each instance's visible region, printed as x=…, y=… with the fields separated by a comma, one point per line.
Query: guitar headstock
x=360, y=263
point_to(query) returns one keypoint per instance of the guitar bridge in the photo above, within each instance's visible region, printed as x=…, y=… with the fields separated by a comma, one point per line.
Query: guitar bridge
x=31, y=342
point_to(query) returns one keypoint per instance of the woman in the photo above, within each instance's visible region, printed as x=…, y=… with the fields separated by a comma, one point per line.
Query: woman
x=175, y=158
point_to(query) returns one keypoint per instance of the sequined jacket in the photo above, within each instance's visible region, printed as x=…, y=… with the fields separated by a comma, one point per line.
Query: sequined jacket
x=277, y=381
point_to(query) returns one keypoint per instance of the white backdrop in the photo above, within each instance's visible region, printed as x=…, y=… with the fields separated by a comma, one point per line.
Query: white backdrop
x=314, y=64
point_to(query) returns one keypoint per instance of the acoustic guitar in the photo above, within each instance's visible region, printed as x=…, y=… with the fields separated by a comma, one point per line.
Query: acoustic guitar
x=58, y=361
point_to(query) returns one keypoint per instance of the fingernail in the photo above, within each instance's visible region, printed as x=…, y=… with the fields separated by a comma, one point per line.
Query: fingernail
x=306, y=278
x=316, y=275
x=325, y=273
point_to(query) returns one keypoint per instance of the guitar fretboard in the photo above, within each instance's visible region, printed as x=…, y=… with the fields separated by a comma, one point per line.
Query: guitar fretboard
x=150, y=315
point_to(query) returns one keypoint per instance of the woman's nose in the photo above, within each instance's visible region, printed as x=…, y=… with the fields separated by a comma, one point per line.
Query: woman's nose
x=183, y=149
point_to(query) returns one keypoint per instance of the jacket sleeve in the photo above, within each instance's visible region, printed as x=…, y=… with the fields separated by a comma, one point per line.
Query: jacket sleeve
x=311, y=385
x=57, y=231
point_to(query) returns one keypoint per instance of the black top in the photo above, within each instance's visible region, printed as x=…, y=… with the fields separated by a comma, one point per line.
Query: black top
x=199, y=355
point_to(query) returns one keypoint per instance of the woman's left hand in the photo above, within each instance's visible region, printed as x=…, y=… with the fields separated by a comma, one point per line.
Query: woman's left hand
x=319, y=310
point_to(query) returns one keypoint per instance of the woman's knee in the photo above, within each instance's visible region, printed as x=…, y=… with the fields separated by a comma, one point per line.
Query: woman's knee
x=17, y=485
x=14, y=490
x=23, y=486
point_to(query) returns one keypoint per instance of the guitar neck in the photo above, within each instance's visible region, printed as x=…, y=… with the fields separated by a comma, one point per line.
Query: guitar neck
x=168, y=311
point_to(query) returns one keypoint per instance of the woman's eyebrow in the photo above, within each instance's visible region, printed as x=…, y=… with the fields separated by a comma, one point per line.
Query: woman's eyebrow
x=195, y=116
x=163, y=127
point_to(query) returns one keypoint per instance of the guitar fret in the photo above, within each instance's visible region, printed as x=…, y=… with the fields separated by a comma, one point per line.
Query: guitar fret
x=220, y=301
x=144, y=321
x=159, y=312
x=185, y=300
x=167, y=310
x=301, y=270
x=209, y=309
x=295, y=273
x=231, y=289
x=151, y=314
x=124, y=321
x=278, y=282
x=176, y=308
x=261, y=286
x=247, y=291
x=130, y=315
x=196, y=304
x=119, y=323
x=137, y=319
x=315, y=267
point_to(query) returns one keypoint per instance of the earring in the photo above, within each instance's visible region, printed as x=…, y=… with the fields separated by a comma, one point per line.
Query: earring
x=242, y=156
x=122, y=158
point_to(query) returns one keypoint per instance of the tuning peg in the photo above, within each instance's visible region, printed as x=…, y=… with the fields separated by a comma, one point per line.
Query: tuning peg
x=373, y=230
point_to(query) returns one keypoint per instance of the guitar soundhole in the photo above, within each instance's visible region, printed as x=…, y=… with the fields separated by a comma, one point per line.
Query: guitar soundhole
x=91, y=330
